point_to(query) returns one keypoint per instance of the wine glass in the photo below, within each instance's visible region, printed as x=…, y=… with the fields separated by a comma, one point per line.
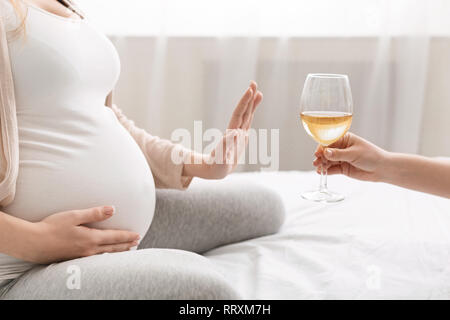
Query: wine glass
x=326, y=110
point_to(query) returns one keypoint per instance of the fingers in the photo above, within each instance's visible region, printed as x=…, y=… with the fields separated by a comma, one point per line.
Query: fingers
x=247, y=123
x=229, y=147
x=232, y=145
x=248, y=110
x=239, y=144
x=320, y=161
x=332, y=169
x=239, y=111
x=319, y=151
x=334, y=154
x=243, y=114
x=245, y=143
x=348, y=170
x=254, y=87
x=258, y=99
x=340, y=151
x=112, y=237
x=117, y=247
x=91, y=215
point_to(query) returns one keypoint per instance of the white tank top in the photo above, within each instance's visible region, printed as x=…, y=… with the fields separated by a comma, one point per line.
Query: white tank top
x=74, y=153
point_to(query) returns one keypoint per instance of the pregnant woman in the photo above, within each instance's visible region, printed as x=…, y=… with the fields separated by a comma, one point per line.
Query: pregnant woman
x=77, y=179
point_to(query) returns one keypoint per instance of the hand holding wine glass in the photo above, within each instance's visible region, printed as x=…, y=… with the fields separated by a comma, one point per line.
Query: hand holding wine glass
x=354, y=157
x=360, y=159
x=326, y=110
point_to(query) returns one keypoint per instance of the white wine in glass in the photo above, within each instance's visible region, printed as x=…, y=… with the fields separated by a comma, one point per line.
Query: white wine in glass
x=326, y=110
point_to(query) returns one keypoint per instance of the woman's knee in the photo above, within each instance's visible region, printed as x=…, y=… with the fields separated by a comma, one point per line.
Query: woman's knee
x=177, y=274
x=172, y=274
x=242, y=210
x=212, y=214
x=270, y=209
x=228, y=201
x=254, y=208
x=258, y=208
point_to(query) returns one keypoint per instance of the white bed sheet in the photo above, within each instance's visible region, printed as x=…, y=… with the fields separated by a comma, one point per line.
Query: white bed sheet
x=381, y=242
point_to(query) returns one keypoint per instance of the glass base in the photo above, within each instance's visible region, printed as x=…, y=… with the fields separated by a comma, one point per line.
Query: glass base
x=323, y=196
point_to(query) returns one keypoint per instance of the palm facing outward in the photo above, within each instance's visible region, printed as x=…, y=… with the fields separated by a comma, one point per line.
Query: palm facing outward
x=223, y=159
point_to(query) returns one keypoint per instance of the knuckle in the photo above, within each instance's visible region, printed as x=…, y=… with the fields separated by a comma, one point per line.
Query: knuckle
x=117, y=238
x=127, y=237
x=117, y=235
x=93, y=240
x=132, y=237
x=75, y=213
x=113, y=248
x=88, y=237
x=88, y=252
x=119, y=248
x=97, y=212
x=107, y=249
x=79, y=246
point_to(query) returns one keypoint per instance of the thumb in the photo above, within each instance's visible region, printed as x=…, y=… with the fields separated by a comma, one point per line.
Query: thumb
x=333, y=154
x=92, y=214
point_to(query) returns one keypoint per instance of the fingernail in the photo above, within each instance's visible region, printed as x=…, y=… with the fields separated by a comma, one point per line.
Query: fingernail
x=328, y=152
x=134, y=243
x=108, y=210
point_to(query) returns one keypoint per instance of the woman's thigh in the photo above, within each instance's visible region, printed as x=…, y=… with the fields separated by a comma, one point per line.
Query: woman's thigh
x=139, y=274
x=213, y=214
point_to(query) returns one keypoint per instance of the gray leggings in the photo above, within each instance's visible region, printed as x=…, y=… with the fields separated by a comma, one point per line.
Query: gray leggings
x=168, y=264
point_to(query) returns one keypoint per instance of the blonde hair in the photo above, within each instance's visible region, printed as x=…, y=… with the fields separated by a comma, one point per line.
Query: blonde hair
x=21, y=15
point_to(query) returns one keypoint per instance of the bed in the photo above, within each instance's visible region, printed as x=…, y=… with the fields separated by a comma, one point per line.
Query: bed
x=381, y=242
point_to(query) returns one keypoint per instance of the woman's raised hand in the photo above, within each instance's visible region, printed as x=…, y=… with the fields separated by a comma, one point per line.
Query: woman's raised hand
x=242, y=116
x=224, y=158
x=63, y=236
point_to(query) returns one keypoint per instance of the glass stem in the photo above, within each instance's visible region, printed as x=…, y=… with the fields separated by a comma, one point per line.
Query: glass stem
x=323, y=176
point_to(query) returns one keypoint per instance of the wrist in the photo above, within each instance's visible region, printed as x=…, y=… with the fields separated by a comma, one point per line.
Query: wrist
x=388, y=168
x=31, y=240
x=20, y=238
x=196, y=165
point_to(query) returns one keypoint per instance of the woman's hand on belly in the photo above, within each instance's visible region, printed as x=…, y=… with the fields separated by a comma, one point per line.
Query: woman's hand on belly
x=63, y=236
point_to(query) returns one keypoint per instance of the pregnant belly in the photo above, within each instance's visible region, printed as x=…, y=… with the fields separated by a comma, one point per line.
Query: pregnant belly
x=83, y=169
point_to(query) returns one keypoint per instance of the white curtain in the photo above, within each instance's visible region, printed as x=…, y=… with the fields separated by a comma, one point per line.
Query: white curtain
x=191, y=60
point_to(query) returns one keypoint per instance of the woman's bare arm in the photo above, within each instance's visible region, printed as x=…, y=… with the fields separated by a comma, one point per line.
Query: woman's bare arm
x=14, y=234
x=420, y=173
